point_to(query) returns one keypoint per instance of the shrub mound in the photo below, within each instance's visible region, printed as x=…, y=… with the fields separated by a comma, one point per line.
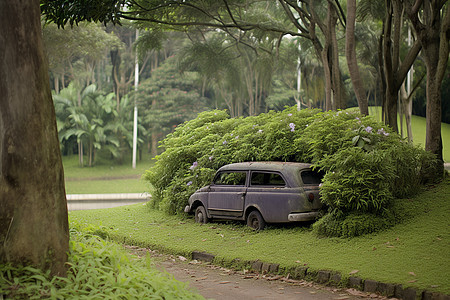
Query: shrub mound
x=98, y=269
x=366, y=164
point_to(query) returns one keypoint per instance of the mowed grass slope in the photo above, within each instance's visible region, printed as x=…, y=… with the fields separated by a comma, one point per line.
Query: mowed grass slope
x=418, y=126
x=414, y=253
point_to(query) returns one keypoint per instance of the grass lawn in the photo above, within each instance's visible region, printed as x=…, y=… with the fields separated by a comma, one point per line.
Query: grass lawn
x=414, y=253
x=104, y=177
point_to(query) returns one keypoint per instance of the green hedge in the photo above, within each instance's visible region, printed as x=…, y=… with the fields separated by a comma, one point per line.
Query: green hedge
x=366, y=164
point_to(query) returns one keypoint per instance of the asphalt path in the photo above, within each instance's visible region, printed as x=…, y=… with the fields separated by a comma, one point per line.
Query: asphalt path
x=214, y=282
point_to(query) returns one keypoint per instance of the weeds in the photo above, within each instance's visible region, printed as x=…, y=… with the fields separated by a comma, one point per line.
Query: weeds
x=97, y=269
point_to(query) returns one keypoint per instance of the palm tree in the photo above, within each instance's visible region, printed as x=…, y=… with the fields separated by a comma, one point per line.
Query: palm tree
x=67, y=104
x=89, y=122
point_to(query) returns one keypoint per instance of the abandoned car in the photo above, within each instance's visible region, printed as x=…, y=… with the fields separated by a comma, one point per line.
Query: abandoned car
x=259, y=193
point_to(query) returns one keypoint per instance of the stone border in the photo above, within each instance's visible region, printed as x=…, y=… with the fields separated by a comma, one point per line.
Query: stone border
x=331, y=278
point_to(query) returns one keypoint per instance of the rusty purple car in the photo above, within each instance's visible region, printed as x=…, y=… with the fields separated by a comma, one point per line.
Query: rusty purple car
x=259, y=193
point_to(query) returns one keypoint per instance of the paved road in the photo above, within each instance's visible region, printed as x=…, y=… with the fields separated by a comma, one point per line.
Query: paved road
x=219, y=283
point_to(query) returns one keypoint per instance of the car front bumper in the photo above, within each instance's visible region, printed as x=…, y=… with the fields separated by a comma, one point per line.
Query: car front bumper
x=187, y=209
x=302, y=217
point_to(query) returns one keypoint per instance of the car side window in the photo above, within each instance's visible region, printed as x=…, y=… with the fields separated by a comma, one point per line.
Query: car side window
x=230, y=178
x=267, y=179
x=311, y=177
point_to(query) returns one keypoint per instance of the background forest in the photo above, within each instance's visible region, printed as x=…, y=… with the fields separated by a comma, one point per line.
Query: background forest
x=100, y=73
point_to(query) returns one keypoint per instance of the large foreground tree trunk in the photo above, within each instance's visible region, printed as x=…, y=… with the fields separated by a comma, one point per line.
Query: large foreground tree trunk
x=33, y=209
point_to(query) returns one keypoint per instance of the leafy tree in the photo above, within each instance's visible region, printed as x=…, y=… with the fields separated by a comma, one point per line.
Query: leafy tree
x=33, y=209
x=77, y=52
x=313, y=20
x=120, y=128
x=239, y=73
x=167, y=99
x=96, y=123
x=69, y=113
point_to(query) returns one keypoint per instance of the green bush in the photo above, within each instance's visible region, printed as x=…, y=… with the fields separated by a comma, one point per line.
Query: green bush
x=352, y=224
x=366, y=164
x=98, y=269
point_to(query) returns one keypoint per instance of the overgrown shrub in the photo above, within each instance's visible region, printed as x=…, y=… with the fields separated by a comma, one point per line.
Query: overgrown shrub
x=366, y=164
x=98, y=269
x=338, y=224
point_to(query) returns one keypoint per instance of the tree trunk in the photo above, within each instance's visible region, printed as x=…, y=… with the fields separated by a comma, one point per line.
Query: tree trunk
x=433, y=33
x=395, y=70
x=56, y=82
x=154, y=144
x=350, y=52
x=335, y=70
x=62, y=82
x=433, y=142
x=33, y=208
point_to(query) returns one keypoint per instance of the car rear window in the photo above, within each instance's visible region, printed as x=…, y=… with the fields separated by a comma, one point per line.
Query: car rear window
x=311, y=177
x=270, y=179
x=230, y=178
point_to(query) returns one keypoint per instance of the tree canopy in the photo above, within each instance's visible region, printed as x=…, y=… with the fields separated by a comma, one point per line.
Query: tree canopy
x=319, y=24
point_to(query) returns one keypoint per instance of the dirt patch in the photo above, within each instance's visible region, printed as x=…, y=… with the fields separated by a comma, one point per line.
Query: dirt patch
x=214, y=282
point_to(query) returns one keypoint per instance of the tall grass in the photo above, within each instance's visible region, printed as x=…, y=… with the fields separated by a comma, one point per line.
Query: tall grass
x=97, y=269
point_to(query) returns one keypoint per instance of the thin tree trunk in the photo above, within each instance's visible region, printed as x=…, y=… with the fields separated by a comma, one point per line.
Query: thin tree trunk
x=395, y=70
x=350, y=52
x=56, y=83
x=62, y=82
x=33, y=209
x=327, y=77
x=390, y=63
x=80, y=153
x=336, y=72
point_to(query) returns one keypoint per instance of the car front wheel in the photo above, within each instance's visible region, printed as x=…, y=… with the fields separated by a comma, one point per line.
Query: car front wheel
x=256, y=221
x=200, y=215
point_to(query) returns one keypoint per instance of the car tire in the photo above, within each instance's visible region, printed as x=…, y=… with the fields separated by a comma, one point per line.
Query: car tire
x=256, y=221
x=200, y=215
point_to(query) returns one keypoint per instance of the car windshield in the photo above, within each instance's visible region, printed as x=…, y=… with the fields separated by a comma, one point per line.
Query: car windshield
x=230, y=178
x=311, y=177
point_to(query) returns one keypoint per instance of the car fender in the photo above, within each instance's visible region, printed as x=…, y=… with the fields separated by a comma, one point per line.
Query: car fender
x=249, y=208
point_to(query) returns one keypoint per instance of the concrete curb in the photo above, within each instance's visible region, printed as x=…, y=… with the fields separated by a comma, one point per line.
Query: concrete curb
x=97, y=201
x=336, y=279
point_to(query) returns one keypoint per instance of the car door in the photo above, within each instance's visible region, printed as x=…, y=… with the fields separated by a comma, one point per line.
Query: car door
x=227, y=194
x=270, y=194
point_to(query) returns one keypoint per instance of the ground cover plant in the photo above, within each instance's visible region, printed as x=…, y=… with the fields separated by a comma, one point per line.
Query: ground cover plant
x=412, y=253
x=98, y=269
x=366, y=164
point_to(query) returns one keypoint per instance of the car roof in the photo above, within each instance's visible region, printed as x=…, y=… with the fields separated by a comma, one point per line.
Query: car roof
x=267, y=166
